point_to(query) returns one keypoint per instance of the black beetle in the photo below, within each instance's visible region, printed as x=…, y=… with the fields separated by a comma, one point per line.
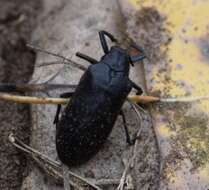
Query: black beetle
x=94, y=106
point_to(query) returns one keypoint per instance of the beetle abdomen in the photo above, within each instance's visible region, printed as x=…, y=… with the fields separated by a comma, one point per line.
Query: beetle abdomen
x=91, y=114
x=84, y=127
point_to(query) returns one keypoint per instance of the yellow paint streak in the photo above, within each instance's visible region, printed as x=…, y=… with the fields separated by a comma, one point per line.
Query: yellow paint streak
x=180, y=14
x=204, y=173
x=195, y=143
x=175, y=178
x=164, y=131
x=187, y=21
x=188, y=24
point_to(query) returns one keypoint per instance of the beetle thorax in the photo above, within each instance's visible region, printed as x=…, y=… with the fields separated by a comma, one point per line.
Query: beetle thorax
x=117, y=59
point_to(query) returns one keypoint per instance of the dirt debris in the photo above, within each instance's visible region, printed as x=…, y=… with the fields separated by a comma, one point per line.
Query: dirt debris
x=17, y=20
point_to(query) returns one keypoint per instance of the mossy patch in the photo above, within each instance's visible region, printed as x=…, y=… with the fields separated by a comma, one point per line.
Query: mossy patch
x=189, y=139
x=192, y=137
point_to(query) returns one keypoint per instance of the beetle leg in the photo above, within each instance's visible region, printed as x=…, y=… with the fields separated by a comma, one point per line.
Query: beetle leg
x=137, y=58
x=86, y=57
x=64, y=95
x=103, y=40
x=128, y=138
x=138, y=88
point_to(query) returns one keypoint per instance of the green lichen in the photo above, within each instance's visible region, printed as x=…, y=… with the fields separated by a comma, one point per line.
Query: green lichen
x=193, y=138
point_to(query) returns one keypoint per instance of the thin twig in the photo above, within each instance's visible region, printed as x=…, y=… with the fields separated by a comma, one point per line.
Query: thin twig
x=40, y=161
x=53, y=76
x=135, y=98
x=131, y=161
x=32, y=100
x=66, y=177
x=52, y=172
x=17, y=142
x=52, y=63
x=42, y=87
x=136, y=109
x=123, y=178
x=105, y=182
x=52, y=162
x=56, y=74
x=44, y=100
x=32, y=152
x=57, y=55
x=144, y=99
x=184, y=99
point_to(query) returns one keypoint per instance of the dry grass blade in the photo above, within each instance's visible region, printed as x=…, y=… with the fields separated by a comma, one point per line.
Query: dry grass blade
x=18, y=143
x=32, y=100
x=131, y=161
x=53, y=63
x=184, y=99
x=57, y=55
x=134, y=98
x=34, y=153
x=43, y=87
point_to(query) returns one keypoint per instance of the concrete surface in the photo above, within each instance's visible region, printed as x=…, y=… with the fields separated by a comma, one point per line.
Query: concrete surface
x=71, y=26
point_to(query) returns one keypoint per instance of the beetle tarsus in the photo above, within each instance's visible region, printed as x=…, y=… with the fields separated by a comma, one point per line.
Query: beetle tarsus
x=135, y=86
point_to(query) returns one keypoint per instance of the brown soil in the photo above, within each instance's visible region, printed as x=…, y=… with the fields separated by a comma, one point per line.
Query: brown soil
x=17, y=20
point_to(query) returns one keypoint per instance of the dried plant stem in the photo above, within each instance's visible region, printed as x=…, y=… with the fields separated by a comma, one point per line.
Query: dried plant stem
x=123, y=178
x=43, y=100
x=73, y=63
x=66, y=177
x=39, y=157
x=132, y=159
x=32, y=100
x=134, y=98
x=8, y=87
x=184, y=99
x=143, y=99
x=18, y=142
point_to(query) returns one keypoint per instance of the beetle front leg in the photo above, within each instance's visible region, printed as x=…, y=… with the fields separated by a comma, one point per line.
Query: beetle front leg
x=64, y=95
x=128, y=138
x=138, y=88
x=137, y=58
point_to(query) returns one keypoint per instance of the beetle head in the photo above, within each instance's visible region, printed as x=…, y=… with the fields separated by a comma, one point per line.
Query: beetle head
x=119, y=59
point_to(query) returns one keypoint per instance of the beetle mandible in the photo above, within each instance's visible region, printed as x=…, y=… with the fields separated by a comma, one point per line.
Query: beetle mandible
x=94, y=106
